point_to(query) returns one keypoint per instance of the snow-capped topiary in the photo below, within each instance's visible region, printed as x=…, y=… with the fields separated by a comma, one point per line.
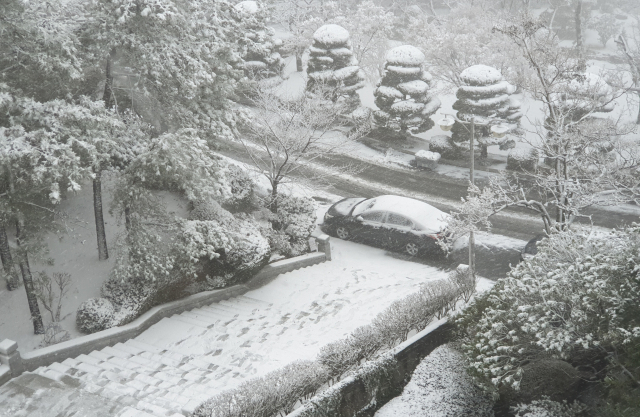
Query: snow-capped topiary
x=259, y=47
x=94, y=315
x=402, y=95
x=485, y=96
x=332, y=64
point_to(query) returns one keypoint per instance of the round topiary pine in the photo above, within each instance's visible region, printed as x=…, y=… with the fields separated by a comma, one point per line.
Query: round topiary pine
x=332, y=64
x=403, y=94
x=484, y=95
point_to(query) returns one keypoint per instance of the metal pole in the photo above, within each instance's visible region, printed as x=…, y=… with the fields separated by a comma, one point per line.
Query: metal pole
x=472, y=241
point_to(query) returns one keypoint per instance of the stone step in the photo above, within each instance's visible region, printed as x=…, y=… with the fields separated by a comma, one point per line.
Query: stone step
x=193, y=317
x=226, y=308
x=250, y=300
x=185, y=320
x=207, y=317
x=214, y=317
x=143, y=346
x=224, y=315
x=83, y=367
x=116, y=352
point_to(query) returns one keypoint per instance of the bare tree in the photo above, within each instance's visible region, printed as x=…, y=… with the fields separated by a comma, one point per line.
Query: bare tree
x=632, y=56
x=285, y=133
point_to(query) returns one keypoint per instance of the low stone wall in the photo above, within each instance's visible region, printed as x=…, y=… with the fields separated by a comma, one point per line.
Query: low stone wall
x=355, y=396
x=16, y=363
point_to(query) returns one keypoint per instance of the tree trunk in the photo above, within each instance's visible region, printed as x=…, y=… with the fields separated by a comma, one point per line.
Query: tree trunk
x=273, y=204
x=13, y=281
x=484, y=151
x=579, y=41
x=103, y=252
x=27, y=278
x=638, y=118
x=299, y=62
x=107, y=96
x=127, y=218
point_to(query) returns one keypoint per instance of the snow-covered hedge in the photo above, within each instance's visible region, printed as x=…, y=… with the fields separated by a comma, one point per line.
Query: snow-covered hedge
x=579, y=294
x=276, y=392
x=403, y=94
x=548, y=408
x=265, y=396
x=94, y=315
x=440, y=386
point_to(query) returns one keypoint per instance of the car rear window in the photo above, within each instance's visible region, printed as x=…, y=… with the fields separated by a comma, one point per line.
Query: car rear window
x=398, y=220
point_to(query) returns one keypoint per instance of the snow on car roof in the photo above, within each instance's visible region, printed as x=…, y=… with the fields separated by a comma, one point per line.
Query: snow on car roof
x=418, y=211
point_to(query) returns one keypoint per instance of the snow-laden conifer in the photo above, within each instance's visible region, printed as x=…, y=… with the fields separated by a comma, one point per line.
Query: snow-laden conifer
x=333, y=65
x=485, y=96
x=403, y=95
x=259, y=46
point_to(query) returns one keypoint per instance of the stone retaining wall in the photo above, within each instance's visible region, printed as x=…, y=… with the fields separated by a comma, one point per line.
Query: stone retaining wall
x=12, y=363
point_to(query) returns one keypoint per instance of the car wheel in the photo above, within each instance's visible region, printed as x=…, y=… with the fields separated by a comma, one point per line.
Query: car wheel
x=412, y=248
x=342, y=232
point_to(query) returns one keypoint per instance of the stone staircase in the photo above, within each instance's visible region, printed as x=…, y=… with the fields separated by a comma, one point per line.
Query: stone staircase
x=147, y=375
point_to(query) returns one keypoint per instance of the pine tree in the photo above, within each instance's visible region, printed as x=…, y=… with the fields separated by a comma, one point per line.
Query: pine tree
x=259, y=46
x=333, y=65
x=402, y=96
x=484, y=95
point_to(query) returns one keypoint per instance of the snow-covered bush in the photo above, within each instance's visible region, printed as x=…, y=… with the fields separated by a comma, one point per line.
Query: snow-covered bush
x=548, y=408
x=292, y=225
x=221, y=250
x=484, y=95
x=333, y=65
x=442, y=144
x=258, y=47
x=94, y=315
x=577, y=295
x=440, y=386
x=523, y=160
x=241, y=188
x=403, y=94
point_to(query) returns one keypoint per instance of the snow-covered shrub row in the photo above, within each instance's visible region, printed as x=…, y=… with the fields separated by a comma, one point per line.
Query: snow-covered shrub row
x=403, y=94
x=577, y=296
x=377, y=377
x=391, y=326
x=333, y=65
x=440, y=386
x=276, y=392
x=260, y=396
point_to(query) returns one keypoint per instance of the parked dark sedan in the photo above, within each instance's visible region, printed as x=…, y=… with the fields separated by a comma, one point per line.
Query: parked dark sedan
x=388, y=221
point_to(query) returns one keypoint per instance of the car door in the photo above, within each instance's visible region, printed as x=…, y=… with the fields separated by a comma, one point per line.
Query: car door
x=371, y=227
x=399, y=230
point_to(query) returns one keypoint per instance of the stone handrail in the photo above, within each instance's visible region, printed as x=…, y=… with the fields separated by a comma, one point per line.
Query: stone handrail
x=12, y=363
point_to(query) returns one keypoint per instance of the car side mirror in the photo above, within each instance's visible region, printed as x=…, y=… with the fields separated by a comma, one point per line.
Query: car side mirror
x=359, y=218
